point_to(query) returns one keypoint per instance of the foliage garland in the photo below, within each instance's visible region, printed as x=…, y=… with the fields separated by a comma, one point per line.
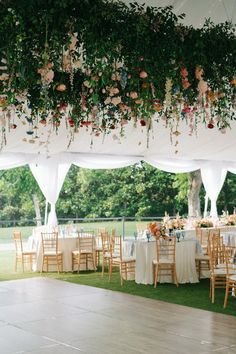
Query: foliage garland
x=101, y=63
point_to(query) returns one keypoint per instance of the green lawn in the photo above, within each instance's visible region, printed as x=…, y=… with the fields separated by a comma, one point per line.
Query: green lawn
x=193, y=295
x=130, y=228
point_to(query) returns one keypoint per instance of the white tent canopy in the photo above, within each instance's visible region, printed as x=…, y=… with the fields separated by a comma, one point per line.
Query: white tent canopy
x=51, y=154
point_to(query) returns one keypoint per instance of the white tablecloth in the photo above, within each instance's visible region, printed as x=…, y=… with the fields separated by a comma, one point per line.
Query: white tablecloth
x=229, y=238
x=66, y=244
x=185, y=262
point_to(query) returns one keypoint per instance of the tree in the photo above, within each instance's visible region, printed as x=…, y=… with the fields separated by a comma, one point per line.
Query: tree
x=194, y=187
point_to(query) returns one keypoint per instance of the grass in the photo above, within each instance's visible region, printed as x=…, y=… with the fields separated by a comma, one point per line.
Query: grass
x=192, y=295
x=26, y=231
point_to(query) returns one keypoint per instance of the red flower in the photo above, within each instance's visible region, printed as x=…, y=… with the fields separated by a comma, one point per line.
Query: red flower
x=71, y=122
x=143, y=123
x=210, y=125
x=85, y=124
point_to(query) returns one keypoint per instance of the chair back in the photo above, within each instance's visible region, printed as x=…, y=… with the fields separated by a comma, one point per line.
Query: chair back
x=50, y=242
x=86, y=243
x=116, y=247
x=18, y=242
x=165, y=248
x=216, y=248
x=105, y=241
x=230, y=262
x=203, y=236
x=86, y=233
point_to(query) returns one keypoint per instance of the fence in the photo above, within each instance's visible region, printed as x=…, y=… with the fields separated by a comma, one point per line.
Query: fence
x=126, y=226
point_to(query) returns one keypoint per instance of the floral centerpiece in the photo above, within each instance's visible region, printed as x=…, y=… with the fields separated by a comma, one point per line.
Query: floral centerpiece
x=157, y=229
x=228, y=220
x=204, y=222
x=175, y=224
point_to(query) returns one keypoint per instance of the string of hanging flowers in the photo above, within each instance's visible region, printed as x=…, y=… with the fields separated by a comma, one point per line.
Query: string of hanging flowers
x=99, y=64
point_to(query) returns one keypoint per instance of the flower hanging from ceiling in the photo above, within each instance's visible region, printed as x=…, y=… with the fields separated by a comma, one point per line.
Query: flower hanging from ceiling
x=98, y=64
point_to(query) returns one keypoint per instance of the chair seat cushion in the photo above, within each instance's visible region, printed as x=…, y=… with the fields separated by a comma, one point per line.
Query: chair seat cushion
x=221, y=265
x=52, y=253
x=202, y=257
x=77, y=252
x=162, y=261
x=98, y=248
x=220, y=271
x=29, y=253
x=114, y=255
x=124, y=260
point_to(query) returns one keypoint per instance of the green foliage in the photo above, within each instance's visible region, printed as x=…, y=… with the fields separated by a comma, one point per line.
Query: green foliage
x=114, y=40
x=16, y=189
x=140, y=190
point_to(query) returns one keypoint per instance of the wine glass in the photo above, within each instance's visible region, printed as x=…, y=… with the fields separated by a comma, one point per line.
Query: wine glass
x=148, y=235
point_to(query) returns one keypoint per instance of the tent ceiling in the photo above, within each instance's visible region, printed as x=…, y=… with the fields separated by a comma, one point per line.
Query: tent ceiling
x=208, y=144
x=197, y=10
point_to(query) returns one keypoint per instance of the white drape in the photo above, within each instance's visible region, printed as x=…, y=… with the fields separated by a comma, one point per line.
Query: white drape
x=173, y=166
x=50, y=172
x=213, y=177
x=50, y=175
x=103, y=161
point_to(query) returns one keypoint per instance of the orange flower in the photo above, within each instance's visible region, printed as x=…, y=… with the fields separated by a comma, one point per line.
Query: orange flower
x=184, y=72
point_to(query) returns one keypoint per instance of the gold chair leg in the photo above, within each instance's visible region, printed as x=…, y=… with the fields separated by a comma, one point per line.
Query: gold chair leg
x=58, y=268
x=155, y=276
x=23, y=265
x=226, y=295
x=213, y=292
x=121, y=274
x=42, y=264
x=103, y=261
x=78, y=264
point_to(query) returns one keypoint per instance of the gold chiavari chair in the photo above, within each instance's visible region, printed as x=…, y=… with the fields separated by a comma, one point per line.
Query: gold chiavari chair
x=202, y=260
x=230, y=274
x=51, y=254
x=99, y=249
x=217, y=269
x=106, y=239
x=126, y=265
x=165, y=264
x=23, y=256
x=85, y=252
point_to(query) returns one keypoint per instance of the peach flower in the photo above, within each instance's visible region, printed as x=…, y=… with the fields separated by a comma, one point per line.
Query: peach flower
x=202, y=86
x=143, y=75
x=116, y=100
x=134, y=95
x=61, y=88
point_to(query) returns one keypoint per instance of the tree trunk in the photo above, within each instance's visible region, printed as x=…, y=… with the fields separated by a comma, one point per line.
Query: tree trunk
x=37, y=210
x=194, y=186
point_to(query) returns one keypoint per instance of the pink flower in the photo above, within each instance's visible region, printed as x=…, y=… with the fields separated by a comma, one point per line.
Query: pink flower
x=116, y=100
x=184, y=72
x=186, y=84
x=202, y=86
x=198, y=73
x=61, y=87
x=143, y=75
x=114, y=91
x=49, y=76
x=134, y=95
x=107, y=100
